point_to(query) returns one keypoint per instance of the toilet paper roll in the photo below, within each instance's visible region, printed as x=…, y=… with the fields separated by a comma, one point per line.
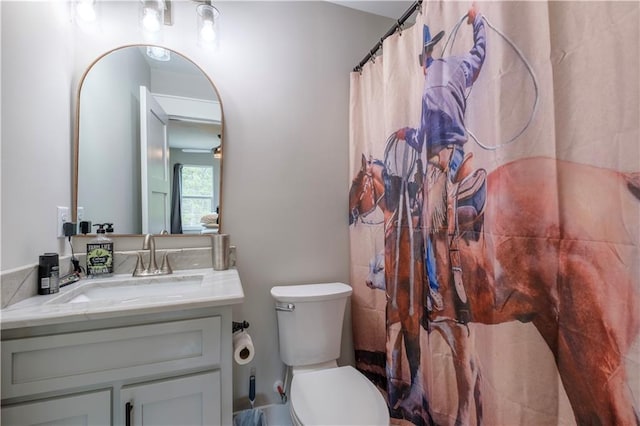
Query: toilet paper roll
x=243, y=350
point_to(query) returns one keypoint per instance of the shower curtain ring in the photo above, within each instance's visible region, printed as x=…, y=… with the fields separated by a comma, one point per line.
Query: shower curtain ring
x=400, y=27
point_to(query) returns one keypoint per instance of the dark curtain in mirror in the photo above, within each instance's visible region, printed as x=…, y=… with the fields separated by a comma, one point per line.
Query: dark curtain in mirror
x=176, y=210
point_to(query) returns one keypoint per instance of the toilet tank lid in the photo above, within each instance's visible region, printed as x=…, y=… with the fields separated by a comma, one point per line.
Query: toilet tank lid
x=310, y=292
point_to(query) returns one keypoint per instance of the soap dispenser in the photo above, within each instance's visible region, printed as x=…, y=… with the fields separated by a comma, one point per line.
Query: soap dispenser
x=100, y=254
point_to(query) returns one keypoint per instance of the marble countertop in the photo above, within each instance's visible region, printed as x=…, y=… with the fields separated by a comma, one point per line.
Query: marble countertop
x=122, y=295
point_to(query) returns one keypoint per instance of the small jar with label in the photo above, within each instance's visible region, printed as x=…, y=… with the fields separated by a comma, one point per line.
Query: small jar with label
x=48, y=274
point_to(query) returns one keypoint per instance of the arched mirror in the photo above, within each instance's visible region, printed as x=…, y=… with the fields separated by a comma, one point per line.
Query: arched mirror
x=148, y=144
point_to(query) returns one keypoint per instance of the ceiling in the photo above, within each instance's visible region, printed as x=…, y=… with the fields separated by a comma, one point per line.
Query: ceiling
x=194, y=135
x=389, y=9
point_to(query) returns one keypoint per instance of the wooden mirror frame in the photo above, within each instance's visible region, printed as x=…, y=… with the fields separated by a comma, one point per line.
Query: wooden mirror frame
x=76, y=135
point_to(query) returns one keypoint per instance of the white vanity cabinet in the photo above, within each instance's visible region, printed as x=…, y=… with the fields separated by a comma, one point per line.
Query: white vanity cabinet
x=170, y=369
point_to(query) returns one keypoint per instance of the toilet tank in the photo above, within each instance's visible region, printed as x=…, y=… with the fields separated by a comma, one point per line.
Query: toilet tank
x=310, y=321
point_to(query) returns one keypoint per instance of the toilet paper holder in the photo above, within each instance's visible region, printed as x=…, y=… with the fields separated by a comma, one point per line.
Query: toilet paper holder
x=239, y=326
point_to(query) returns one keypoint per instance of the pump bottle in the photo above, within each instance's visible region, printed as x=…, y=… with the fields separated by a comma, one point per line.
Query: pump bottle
x=100, y=254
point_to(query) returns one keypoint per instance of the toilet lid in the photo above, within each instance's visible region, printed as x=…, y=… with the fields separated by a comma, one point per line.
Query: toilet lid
x=337, y=396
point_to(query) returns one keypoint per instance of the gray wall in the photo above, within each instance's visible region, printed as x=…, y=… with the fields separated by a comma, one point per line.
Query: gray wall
x=282, y=71
x=110, y=164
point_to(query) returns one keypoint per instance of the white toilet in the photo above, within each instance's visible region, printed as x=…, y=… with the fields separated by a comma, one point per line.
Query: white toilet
x=310, y=331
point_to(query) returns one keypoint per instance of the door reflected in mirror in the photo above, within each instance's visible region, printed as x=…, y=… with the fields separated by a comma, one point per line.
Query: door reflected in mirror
x=149, y=144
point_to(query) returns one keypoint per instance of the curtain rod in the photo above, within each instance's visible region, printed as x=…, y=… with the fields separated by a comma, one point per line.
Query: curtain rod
x=406, y=15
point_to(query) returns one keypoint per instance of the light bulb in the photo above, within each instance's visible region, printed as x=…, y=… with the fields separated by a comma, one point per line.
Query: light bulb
x=207, y=32
x=151, y=20
x=85, y=10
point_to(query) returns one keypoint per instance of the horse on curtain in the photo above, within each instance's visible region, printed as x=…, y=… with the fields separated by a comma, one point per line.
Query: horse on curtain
x=559, y=249
x=404, y=280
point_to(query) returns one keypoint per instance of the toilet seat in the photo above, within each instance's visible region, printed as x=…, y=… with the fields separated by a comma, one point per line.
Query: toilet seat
x=336, y=396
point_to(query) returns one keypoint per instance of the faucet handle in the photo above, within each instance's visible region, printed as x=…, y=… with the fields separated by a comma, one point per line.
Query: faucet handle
x=166, y=267
x=140, y=268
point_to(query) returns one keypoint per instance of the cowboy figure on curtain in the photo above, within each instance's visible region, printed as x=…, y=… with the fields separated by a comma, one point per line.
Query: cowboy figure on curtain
x=442, y=130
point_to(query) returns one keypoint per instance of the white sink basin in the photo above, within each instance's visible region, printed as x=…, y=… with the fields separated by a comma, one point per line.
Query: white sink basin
x=132, y=290
x=124, y=295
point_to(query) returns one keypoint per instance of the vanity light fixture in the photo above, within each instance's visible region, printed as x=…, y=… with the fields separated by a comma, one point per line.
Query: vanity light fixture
x=85, y=10
x=156, y=13
x=208, y=20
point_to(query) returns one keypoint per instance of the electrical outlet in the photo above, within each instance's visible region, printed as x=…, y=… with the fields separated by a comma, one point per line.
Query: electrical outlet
x=62, y=218
x=79, y=217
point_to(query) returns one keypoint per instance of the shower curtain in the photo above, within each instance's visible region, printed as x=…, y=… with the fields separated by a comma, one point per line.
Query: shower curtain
x=512, y=172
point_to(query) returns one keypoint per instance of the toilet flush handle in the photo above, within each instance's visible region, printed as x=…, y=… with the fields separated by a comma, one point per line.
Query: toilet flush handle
x=285, y=307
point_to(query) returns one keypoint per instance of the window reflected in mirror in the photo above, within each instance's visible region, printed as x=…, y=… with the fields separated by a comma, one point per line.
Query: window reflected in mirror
x=197, y=196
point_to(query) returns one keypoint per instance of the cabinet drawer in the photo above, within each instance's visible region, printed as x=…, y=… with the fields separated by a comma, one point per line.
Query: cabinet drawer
x=48, y=363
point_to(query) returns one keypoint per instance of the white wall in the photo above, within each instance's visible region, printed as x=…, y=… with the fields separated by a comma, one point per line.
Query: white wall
x=37, y=64
x=282, y=72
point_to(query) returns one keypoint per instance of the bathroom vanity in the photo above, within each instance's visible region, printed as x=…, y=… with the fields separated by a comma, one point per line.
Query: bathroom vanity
x=122, y=351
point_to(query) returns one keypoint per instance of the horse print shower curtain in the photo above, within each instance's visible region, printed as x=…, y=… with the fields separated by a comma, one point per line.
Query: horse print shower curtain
x=494, y=215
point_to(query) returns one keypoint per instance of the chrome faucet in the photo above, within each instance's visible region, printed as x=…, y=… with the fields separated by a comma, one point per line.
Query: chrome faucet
x=149, y=243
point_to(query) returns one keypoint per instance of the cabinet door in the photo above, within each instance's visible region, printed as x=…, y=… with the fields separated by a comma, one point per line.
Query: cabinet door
x=186, y=401
x=79, y=410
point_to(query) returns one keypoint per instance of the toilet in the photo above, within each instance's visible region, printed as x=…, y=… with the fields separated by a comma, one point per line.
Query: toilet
x=310, y=320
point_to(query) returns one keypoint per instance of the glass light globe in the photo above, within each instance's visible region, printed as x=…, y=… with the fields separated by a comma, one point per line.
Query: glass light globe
x=207, y=23
x=151, y=20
